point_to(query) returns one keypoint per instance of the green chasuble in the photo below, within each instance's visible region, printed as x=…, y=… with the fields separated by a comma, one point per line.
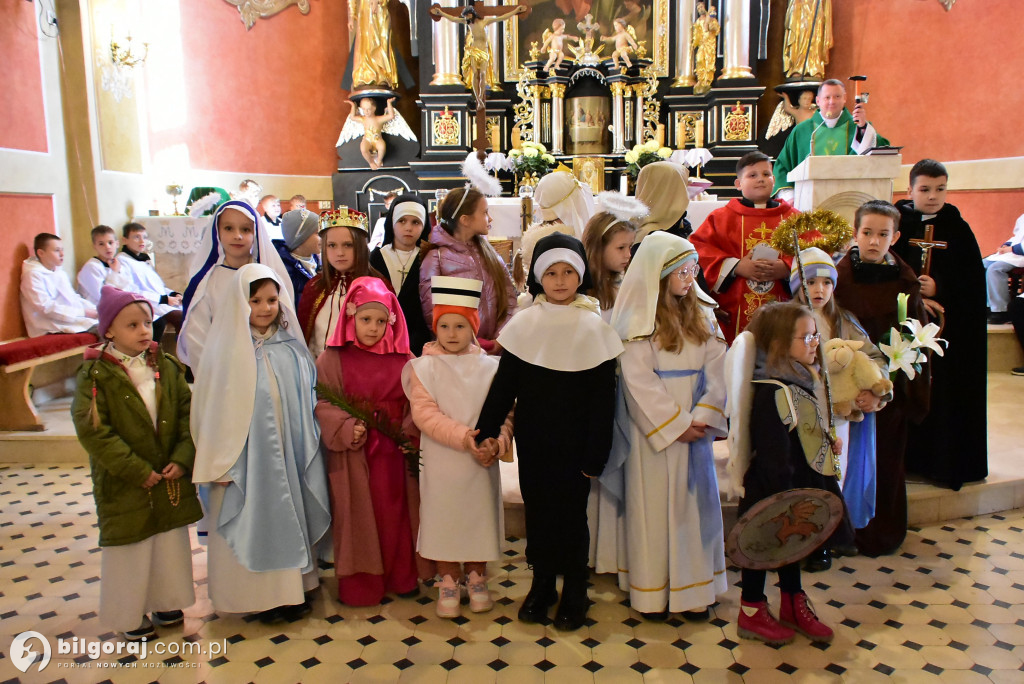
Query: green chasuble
x=827, y=141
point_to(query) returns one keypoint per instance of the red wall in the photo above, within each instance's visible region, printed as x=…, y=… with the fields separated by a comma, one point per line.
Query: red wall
x=943, y=84
x=267, y=100
x=34, y=215
x=22, y=115
x=991, y=213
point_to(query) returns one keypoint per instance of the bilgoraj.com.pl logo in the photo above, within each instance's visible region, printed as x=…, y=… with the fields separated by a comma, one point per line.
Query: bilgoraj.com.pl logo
x=29, y=648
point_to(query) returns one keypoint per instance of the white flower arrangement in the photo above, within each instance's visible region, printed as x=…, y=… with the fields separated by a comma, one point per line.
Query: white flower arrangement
x=905, y=349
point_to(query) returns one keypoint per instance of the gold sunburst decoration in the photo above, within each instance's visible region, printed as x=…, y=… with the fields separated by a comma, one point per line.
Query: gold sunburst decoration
x=832, y=229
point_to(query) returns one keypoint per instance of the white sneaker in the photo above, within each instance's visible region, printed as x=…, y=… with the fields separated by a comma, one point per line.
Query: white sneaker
x=479, y=597
x=448, y=603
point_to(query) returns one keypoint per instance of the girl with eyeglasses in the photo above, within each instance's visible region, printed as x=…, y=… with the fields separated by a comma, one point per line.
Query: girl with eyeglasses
x=672, y=555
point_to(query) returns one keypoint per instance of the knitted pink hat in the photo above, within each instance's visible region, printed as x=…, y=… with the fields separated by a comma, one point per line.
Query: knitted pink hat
x=112, y=300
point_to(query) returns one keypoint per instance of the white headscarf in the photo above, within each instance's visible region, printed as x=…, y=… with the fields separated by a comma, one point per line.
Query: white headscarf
x=225, y=388
x=637, y=302
x=560, y=196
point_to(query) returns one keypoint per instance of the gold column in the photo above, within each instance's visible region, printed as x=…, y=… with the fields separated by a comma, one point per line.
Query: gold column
x=737, y=40
x=684, y=46
x=495, y=44
x=446, y=49
x=618, y=88
x=557, y=116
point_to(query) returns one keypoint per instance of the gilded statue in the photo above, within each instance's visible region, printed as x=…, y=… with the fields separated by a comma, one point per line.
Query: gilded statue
x=373, y=61
x=477, y=67
x=808, y=38
x=704, y=38
x=366, y=122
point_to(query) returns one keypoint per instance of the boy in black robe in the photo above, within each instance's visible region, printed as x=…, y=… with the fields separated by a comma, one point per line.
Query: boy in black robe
x=951, y=444
x=870, y=280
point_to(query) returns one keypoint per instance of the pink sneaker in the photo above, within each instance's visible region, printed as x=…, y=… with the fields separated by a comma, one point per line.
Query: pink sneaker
x=448, y=599
x=479, y=597
x=796, y=612
x=757, y=622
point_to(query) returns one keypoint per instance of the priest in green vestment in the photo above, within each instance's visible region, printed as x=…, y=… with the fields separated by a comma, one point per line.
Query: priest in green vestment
x=834, y=131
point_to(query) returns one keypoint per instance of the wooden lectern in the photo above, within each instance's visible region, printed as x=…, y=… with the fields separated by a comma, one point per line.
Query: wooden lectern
x=843, y=182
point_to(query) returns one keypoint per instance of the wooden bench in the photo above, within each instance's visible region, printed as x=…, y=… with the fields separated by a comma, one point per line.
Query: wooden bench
x=18, y=358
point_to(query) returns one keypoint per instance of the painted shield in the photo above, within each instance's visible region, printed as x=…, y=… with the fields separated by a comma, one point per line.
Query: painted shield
x=783, y=528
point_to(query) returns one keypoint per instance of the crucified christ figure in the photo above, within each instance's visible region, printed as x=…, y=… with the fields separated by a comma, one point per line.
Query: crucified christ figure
x=477, y=58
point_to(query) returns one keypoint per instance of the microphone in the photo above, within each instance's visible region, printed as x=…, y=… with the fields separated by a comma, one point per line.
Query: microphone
x=815, y=132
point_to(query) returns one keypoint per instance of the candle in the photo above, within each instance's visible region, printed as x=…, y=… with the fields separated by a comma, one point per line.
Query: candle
x=698, y=133
x=680, y=134
x=624, y=184
x=496, y=138
x=661, y=135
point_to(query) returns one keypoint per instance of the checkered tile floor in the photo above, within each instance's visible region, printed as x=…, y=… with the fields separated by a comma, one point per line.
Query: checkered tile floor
x=949, y=607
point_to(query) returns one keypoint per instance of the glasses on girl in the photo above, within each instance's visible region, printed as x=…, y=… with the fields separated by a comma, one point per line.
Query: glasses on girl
x=809, y=338
x=690, y=270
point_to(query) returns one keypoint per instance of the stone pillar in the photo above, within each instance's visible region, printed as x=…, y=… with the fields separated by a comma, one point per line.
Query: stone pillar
x=737, y=40
x=446, y=49
x=618, y=88
x=557, y=116
x=684, y=46
x=638, y=117
x=538, y=93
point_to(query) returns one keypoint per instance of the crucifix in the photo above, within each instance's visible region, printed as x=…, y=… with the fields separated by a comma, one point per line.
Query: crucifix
x=477, y=57
x=927, y=244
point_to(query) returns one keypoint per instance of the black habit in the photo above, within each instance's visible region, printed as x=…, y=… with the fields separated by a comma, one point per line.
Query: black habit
x=951, y=444
x=869, y=291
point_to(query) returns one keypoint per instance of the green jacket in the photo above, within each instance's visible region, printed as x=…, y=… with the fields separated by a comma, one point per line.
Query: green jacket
x=125, y=448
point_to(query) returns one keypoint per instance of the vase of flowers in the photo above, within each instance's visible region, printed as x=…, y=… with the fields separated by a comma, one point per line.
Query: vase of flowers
x=643, y=154
x=530, y=163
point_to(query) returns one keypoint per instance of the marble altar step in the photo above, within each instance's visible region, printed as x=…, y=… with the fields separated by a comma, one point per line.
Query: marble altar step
x=1004, y=351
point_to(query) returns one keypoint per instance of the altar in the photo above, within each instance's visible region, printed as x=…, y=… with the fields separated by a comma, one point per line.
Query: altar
x=176, y=239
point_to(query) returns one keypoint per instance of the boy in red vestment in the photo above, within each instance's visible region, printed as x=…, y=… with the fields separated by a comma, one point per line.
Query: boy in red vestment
x=741, y=268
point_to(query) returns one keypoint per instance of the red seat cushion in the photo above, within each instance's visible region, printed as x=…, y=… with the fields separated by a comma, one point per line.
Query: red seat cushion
x=36, y=347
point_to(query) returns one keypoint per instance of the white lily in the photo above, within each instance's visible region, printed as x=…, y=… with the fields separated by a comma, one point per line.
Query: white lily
x=925, y=336
x=902, y=355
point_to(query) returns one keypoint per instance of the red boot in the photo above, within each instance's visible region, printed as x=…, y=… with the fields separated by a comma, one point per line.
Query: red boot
x=796, y=612
x=757, y=622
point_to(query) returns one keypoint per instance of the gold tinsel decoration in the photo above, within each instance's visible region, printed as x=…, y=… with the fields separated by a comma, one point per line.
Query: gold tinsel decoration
x=835, y=232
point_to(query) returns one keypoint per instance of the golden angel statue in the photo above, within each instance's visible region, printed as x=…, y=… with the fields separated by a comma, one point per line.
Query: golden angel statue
x=370, y=125
x=373, y=61
x=555, y=39
x=476, y=62
x=704, y=37
x=808, y=38
x=624, y=39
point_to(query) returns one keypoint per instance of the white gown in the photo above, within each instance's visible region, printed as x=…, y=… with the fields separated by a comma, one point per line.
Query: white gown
x=668, y=564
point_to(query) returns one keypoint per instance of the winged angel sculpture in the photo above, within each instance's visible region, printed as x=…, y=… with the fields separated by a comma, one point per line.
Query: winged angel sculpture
x=364, y=121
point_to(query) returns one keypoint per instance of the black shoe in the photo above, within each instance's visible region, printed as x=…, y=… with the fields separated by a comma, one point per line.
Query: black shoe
x=295, y=612
x=818, y=561
x=412, y=593
x=270, y=616
x=168, y=618
x=1018, y=371
x=143, y=631
x=841, y=550
x=697, y=615
x=655, y=617
x=572, y=610
x=542, y=595
x=998, y=318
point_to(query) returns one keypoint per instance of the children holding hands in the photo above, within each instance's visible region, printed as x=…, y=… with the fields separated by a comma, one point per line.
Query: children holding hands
x=131, y=413
x=461, y=510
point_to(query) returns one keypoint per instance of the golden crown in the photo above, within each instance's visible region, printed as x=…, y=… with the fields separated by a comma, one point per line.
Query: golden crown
x=343, y=217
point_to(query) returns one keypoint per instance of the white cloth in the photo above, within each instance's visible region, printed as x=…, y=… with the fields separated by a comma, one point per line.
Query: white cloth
x=398, y=262
x=94, y=274
x=377, y=236
x=326, y=321
x=559, y=195
x=222, y=400
x=192, y=336
x=148, y=283
x=142, y=376
x=236, y=589
x=1018, y=236
x=461, y=512
x=49, y=304
x=586, y=341
x=605, y=518
x=154, y=574
x=667, y=564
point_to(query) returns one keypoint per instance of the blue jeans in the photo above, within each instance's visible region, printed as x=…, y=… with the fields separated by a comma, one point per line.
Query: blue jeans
x=997, y=274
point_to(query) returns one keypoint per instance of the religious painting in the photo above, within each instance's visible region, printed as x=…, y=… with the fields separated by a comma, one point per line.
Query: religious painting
x=642, y=15
x=589, y=170
x=586, y=124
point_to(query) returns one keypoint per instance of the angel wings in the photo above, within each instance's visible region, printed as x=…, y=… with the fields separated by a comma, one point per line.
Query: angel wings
x=781, y=121
x=353, y=130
